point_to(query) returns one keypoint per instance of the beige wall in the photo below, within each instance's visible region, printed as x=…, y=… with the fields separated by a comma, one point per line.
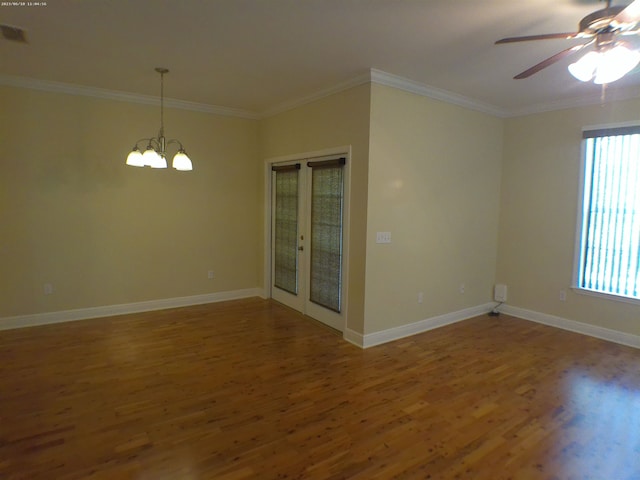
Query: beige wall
x=468, y=198
x=434, y=180
x=73, y=215
x=335, y=121
x=538, y=215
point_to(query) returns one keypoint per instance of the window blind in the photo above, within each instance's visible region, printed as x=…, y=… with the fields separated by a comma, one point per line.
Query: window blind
x=326, y=233
x=610, y=246
x=286, y=228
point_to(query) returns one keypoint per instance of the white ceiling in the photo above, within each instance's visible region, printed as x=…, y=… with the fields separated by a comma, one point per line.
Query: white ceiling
x=257, y=55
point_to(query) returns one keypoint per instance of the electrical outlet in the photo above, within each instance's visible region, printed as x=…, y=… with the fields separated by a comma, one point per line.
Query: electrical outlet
x=420, y=297
x=461, y=289
x=563, y=295
x=210, y=275
x=48, y=289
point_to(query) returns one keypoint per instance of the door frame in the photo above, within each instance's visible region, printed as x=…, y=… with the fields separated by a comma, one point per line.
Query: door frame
x=344, y=151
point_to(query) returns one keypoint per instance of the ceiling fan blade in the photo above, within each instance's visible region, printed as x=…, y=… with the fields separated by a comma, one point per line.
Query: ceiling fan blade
x=547, y=36
x=631, y=14
x=551, y=60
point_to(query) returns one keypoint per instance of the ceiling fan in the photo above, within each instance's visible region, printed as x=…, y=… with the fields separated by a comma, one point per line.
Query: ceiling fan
x=610, y=59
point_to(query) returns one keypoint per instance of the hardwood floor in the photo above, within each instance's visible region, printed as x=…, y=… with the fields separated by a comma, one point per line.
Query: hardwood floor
x=250, y=389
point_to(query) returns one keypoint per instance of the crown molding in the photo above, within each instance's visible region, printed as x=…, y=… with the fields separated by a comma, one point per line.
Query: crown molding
x=299, y=102
x=395, y=81
x=72, y=89
x=384, y=78
x=372, y=76
x=578, y=102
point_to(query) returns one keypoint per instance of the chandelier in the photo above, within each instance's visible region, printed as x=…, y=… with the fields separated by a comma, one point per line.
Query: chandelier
x=155, y=154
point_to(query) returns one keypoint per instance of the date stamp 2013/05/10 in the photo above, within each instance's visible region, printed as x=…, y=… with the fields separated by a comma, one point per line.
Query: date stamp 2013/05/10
x=23, y=4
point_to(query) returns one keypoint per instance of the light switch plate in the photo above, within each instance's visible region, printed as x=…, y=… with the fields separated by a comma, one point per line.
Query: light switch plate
x=383, y=237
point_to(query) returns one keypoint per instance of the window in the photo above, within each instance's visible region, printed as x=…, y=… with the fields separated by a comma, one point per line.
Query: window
x=609, y=249
x=327, y=198
x=285, y=213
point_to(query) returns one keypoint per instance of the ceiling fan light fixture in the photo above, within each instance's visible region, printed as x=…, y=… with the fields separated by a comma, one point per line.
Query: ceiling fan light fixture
x=585, y=68
x=605, y=66
x=615, y=64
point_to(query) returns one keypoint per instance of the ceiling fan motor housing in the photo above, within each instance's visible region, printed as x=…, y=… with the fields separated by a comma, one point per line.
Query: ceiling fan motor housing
x=599, y=21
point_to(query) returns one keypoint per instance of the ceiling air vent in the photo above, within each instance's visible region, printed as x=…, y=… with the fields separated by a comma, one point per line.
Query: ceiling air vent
x=13, y=33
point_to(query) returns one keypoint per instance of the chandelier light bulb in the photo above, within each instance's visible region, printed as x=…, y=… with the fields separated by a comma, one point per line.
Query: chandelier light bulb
x=135, y=158
x=150, y=157
x=181, y=161
x=160, y=162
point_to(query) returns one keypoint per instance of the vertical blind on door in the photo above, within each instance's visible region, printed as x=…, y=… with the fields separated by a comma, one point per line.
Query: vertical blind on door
x=327, y=199
x=610, y=247
x=286, y=228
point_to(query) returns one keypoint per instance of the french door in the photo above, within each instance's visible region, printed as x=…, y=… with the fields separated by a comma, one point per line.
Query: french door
x=307, y=216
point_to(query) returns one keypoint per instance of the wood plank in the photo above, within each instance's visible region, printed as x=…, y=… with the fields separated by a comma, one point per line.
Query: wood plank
x=251, y=389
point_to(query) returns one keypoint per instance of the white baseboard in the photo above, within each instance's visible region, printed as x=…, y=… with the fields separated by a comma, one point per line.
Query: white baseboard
x=354, y=337
x=391, y=334
x=36, y=319
x=602, y=333
x=358, y=339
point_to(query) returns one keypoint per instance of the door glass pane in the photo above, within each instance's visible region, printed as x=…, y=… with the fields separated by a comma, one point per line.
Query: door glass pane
x=326, y=237
x=286, y=231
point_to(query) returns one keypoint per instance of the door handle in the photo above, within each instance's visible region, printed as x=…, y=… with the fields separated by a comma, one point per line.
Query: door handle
x=301, y=248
